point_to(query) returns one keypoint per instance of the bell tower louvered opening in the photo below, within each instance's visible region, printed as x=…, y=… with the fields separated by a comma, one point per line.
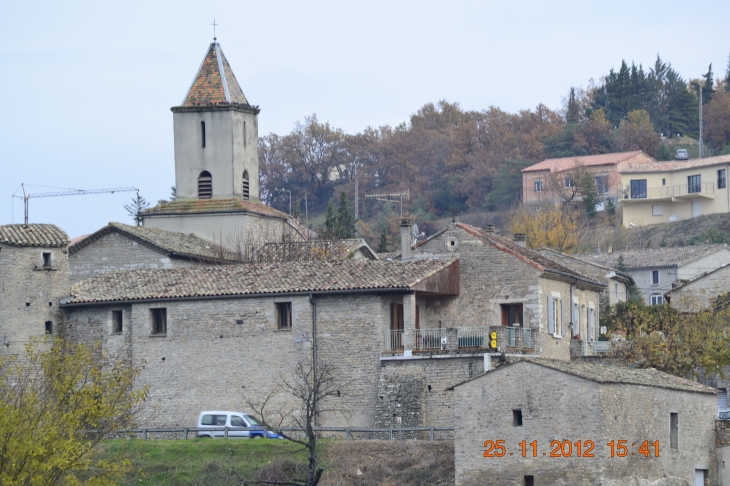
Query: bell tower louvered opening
x=245, y=188
x=205, y=185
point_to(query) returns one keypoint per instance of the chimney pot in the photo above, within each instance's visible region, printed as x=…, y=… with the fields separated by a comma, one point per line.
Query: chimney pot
x=490, y=229
x=405, y=239
x=520, y=238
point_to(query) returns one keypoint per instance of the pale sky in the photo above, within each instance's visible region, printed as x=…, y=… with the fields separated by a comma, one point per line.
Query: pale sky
x=88, y=85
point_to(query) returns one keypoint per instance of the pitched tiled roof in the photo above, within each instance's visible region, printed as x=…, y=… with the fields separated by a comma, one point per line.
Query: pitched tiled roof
x=591, y=269
x=557, y=165
x=527, y=255
x=167, y=242
x=614, y=375
x=180, y=206
x=214, y=82
x=248, y=279
x=653, y=257
x=672, y=166
x=313, y=250
x=41, y=235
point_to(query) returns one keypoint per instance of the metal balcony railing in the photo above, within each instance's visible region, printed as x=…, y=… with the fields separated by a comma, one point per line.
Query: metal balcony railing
x=396, y=339
x=668, y=192
x=592, y=348
x=430, y=339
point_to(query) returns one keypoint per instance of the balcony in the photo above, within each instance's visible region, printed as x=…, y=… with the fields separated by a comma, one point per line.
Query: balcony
x=475, y=339
x=669, y=193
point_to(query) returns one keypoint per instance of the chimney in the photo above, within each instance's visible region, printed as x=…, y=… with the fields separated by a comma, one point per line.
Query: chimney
x=598, y=249
x=405, y=239
x=490, y=229
x=519, y=238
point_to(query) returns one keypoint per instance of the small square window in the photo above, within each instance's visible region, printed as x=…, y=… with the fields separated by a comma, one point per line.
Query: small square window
x=159, y=321
x=117, y=321
x=656, y=210
x=49, y=327
x=46, y=260
x=517, y=418
x=674, y=431
x=657, y=299
x=283, y=315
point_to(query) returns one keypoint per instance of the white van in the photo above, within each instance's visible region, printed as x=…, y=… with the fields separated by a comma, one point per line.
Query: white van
x=240, y=425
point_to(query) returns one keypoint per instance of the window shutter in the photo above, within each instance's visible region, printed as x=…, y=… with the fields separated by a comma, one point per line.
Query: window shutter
x=562, y=317
x=551, y=321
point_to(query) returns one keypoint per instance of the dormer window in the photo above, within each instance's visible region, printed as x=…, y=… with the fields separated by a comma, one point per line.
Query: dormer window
x=245, y=189
x=205, y=185
x=202, y=133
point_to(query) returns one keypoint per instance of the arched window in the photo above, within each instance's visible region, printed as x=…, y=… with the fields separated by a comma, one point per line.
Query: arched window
x=202, y=132
x=245, y=192
x=205, y=185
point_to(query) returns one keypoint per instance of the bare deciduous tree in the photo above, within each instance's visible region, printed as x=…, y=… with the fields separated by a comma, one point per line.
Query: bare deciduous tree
x=298, y=402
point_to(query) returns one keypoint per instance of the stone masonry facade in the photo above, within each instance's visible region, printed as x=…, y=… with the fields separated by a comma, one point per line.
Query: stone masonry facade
x=559, y=406
x=30, y=293
x=114, y=252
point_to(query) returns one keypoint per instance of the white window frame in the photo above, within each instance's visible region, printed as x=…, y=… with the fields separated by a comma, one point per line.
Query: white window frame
x=557, y=315
x=656, y=299
x=538, y=185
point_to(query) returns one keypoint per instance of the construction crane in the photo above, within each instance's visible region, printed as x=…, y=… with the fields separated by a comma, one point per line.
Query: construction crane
x=392, y=197
x=70, y=192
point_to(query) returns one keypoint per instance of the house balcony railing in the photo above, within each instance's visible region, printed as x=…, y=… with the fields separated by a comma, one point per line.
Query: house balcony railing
x=396, y=340
x=681, y=191
x=465, y=338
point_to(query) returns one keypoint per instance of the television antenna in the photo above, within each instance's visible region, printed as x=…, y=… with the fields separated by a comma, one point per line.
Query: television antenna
x=70, y=192
x=415, y=235
x=395, y=197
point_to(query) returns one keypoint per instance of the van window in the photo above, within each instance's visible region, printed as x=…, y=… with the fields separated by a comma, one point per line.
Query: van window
x=252, y=420
x=237, y=421
x=219, y=420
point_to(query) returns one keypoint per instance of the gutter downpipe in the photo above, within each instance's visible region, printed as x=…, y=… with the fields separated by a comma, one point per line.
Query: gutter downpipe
x=314, y=353
x=572, y=314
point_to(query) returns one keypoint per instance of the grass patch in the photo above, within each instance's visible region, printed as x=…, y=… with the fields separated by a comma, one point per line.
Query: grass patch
x=219, y=462
x=205, y=461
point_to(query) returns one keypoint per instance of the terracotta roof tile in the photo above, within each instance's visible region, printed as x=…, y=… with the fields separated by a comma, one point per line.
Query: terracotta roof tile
x=526, y=254
x=40, y=235
x=167, y=242
x=672, y=166
x=208, y=86
x=653, y=257
x=313, y=250
x=180, y=206
x=557, y=165
x=247, y=279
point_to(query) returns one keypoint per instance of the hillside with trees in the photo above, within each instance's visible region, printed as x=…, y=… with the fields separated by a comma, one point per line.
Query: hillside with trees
x=453, y=160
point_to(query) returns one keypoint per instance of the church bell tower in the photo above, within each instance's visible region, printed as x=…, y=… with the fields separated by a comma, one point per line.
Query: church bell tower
x=216, y=136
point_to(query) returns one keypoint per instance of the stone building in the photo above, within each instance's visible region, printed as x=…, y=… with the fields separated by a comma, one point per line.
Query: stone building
x=34, y=277
x=217, y=165
x=700, y=293
x=547, y=181
x=210, y=334
x=512, y=288
x=355, y=248
x=120, y=246
x=641, y=427
x=655, y=270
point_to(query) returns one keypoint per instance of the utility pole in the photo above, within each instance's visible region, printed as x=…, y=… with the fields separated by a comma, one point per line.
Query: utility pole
x=701, y=147
x=357, y=196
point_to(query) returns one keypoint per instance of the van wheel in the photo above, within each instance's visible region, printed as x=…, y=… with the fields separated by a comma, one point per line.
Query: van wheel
x=257, y=437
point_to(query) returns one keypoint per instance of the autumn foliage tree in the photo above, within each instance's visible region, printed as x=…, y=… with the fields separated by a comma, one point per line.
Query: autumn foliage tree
x=549, y=227
x=57, y=403
x=661, y=337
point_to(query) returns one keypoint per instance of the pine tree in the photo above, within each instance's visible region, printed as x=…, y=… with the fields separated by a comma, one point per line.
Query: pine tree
x=727, y=75
x=135, y=209
x=589, y=193
x=345, y=218
x=330, y=222
x=383, y=243
x=571, y=116
x=708, y=88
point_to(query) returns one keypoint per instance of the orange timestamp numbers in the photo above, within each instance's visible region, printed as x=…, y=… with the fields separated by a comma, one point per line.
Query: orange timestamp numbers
x=566, y=448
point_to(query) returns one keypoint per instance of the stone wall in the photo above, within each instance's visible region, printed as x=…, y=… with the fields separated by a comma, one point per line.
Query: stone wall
x=559, y=406
x=701, y=293
x=30, y=294
x=114, y=252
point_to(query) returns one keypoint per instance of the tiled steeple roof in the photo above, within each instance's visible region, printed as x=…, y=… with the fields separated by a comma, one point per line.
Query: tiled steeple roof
x=214, y=83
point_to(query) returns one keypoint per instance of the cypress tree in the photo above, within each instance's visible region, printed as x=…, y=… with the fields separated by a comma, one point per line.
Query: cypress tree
x=345, y=219
x=383, y=243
